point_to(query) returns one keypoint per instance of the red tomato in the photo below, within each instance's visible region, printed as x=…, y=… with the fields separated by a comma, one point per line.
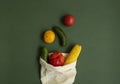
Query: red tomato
x=69, y=20
x=56, y=59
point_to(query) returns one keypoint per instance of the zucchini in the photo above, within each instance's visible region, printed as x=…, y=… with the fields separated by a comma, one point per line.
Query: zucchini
x=61, y=35
x=44, y=53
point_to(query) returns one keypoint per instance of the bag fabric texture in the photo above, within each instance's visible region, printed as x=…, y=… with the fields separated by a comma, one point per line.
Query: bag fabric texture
x=57, y=75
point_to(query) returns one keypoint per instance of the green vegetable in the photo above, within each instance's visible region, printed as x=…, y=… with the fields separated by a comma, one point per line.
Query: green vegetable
x=44, y=53
x=61, y=35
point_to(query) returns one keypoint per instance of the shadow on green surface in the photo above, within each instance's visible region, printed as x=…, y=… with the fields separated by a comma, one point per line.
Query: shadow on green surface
x=38, y=62
x=62, y=19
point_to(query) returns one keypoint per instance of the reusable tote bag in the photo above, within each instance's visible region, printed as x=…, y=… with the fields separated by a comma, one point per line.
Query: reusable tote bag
x=57, y=75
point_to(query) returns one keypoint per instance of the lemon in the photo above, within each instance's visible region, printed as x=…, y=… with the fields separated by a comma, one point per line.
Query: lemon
x=49, y=36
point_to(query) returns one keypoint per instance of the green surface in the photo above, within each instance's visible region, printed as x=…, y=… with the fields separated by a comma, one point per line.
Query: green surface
x=97, y=28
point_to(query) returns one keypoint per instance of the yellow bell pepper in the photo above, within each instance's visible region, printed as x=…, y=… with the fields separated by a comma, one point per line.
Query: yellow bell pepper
x=74, y=54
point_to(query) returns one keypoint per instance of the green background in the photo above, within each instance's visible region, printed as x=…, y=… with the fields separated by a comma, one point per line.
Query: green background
x=96, y=28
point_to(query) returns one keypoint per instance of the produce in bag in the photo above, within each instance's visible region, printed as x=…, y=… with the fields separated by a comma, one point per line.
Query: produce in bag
x=56, y=71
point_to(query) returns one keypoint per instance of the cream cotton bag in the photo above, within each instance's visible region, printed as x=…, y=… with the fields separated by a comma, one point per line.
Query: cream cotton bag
x=57, y=75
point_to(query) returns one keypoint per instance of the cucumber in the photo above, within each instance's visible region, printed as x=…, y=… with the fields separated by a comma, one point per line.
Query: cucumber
x=44, y=53
x=61, y=35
